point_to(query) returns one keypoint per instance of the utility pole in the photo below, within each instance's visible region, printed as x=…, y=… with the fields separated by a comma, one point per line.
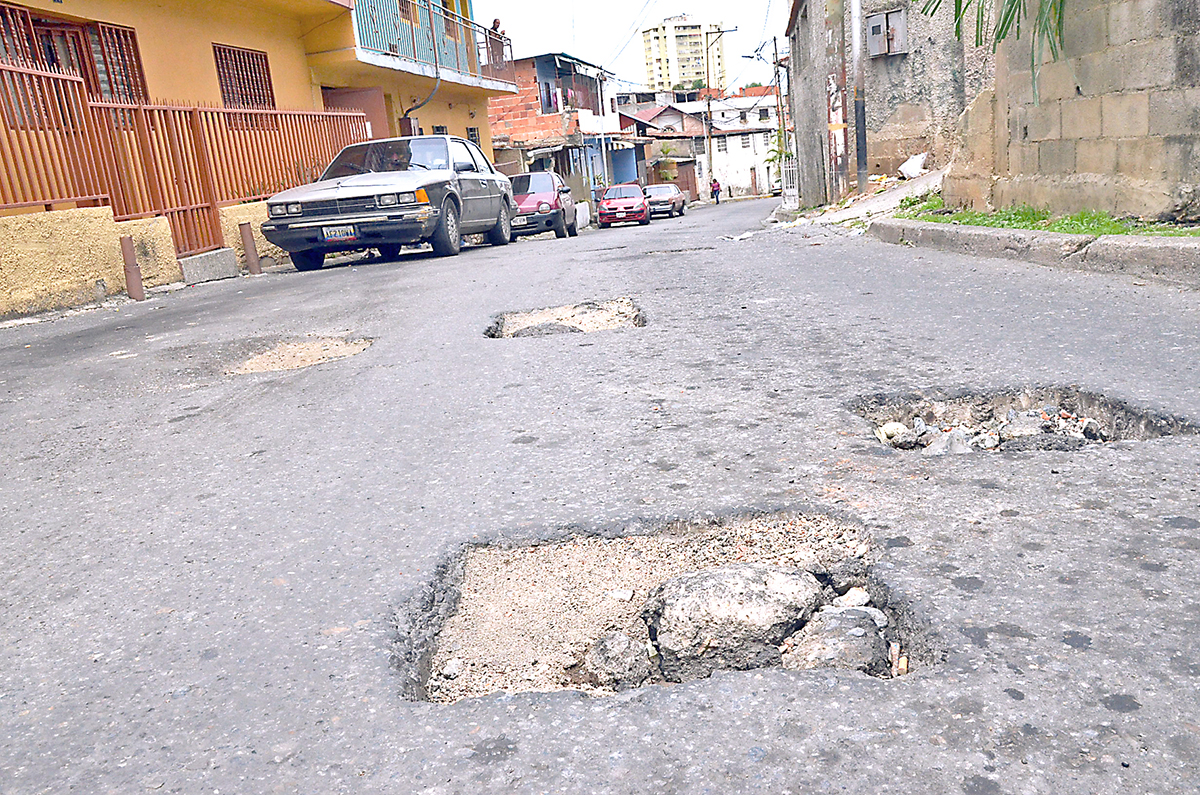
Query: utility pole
x=860, y=105
x=781, y=133
x=708, y=148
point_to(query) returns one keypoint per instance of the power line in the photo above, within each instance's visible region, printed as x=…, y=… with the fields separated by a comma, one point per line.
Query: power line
x=637, y=23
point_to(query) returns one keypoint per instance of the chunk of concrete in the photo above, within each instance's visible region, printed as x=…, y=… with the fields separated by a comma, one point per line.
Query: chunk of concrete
x=730, y=617
x=845, y=638
x=617, y=661
x=209, y=266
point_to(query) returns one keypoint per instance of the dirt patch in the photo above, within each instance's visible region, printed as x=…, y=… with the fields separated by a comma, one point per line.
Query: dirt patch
x=520, y=619
x=1041, y=418
x=299, y=354
x=584, y=317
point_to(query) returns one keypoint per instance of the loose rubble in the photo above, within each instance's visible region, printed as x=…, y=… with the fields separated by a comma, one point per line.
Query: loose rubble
x=1045, y=428
x=605, y=615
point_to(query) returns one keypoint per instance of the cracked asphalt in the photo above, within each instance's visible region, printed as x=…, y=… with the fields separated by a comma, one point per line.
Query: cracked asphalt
x=198, y=571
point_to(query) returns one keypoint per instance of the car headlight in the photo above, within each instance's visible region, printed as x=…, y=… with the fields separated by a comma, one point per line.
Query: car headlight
x=387, y=200
x=294, y=209
x=407, y=198
x=277, y=210
x=543, y=207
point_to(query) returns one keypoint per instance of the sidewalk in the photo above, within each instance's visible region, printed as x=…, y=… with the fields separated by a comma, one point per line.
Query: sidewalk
x=1175, y=260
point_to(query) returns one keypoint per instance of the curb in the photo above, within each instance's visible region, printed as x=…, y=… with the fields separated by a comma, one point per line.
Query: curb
x=1171, y=259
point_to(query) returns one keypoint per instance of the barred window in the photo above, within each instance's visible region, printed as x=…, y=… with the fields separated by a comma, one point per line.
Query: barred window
x=118, y=64
x=721, y=145
x=473, y=135
x=745, y=141
x=244, y=76
x=764, y=114
x=440, y=129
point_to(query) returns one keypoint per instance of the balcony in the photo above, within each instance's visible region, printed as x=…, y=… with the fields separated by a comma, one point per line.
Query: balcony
x=423, y=37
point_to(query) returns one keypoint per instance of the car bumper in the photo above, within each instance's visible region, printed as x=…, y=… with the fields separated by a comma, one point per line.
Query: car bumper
x=611, y=216
x=533, y=223
x=394, y=227
x=664, y=209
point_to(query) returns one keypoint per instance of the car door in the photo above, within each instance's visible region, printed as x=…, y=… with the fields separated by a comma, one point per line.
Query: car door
x=497, y=182
x=474, y=187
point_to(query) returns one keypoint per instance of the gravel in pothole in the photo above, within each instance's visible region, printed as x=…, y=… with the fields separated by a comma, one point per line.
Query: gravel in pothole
x=295, y=355
x=575, y=318
x=607, y=614
x=1051, y=418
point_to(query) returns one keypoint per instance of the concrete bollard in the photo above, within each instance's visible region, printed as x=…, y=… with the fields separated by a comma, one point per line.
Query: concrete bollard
x=252, y=262
x=133, y=272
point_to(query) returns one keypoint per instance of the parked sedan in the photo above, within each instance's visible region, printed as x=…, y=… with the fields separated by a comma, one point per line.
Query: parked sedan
x=666, y=198
x=544, y=204
x=621, y=203
x=387, y=193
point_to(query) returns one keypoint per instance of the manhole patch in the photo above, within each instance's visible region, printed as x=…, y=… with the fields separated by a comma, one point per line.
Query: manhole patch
x=937, y=422
x=603, y=614
x=575, y=318
x=298, y=354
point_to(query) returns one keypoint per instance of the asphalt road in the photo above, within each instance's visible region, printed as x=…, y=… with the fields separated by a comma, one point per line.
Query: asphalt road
x=198, y=571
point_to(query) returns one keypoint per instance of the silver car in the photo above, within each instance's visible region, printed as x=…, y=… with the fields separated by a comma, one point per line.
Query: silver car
x=387, y=193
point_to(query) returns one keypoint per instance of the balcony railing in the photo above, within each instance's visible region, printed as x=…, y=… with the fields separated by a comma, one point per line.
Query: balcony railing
x=427, y=33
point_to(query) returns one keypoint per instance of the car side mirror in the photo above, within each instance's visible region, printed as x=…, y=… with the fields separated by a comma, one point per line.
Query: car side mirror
x=565, y=189
x=463, y=165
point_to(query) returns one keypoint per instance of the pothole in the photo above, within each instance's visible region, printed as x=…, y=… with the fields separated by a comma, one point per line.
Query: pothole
x=575, y=318
x=1045, y=418
x=299, y=354
x=604, y=614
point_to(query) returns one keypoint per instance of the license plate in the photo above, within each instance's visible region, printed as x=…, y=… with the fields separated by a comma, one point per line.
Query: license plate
x=335, y=233
x=520, y=220
x=620, y=215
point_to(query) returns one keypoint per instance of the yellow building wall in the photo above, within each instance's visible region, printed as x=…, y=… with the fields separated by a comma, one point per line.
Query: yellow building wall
x=175, y=38
x=65, y=258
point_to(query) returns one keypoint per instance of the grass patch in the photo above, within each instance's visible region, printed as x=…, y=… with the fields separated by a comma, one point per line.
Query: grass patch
x=931, y=207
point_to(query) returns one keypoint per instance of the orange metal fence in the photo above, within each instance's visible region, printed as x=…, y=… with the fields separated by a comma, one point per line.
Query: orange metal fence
x=59, y=146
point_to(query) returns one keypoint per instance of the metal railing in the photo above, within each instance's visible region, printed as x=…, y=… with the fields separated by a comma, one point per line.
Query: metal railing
x=427, y=33
x=58, y=146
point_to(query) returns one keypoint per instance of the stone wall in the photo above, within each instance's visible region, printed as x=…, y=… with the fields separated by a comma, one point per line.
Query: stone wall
x=913, y=99
x=1117, y=123
x=50, y=260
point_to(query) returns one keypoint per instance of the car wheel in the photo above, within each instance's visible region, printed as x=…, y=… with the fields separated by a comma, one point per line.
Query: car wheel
x=671, y=211
x=389, y=252
x=501, y=233
x=605, y=224
x=646, y=220
x=310, y=260
x=573, y=227
x=560, y=225
x=446, y=240
x=682, y=207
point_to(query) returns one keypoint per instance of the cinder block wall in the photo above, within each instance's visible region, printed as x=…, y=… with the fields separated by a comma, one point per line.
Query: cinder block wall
x=1117, y=126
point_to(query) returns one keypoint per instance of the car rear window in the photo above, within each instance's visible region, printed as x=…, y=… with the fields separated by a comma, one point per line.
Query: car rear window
x=623, y=192
x=405, y=154
x=661, y=190
x=537, y=182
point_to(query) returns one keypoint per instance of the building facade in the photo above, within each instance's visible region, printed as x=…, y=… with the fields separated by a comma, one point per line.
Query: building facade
x=682, y=52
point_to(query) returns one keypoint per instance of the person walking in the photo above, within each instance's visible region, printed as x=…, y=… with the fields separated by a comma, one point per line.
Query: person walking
x=715, y=188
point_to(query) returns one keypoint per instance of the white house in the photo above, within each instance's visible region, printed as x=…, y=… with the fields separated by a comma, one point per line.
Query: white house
x=743, y=135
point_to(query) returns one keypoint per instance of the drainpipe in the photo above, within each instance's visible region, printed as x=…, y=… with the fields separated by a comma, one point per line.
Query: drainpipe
x=437, y=71
x=860, y=106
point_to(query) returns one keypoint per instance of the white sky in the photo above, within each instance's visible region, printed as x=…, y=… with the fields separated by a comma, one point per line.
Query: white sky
x=596, y=31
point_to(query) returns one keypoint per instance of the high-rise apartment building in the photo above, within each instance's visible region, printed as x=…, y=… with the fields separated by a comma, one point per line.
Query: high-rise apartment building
x=675, y=52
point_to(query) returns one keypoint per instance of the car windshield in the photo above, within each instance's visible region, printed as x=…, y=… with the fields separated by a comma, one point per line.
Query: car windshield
x=405, y=154
x=537, y=182
x=623, y=192
x=660, y=190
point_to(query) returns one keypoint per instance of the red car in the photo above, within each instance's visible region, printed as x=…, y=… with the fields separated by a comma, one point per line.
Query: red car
x=621, y=203
x=544, y=204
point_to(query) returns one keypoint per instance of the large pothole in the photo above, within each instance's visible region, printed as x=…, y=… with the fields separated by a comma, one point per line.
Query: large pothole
x=298, y=354
x=574, y=318
x=937, y=422
x=602, y=614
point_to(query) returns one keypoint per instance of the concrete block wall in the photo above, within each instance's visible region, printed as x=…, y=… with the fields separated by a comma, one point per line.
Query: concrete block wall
x=519, y=116
x=1117, y=124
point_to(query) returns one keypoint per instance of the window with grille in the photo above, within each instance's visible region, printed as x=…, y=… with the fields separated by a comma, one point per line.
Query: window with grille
x=721, y=146
x=440, y=129
x=745, y=141
x=118, y=64
x=764, y=114
x=473, y=135
x=244, y=77
x=16, y=37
